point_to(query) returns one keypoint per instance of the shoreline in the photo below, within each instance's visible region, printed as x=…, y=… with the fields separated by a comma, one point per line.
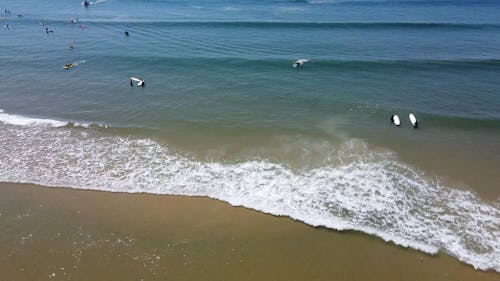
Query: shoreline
x=123, y=236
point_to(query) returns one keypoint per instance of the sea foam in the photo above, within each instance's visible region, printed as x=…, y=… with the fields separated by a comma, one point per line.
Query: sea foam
x=28, y=121
x=374, y=192
x=21, y=120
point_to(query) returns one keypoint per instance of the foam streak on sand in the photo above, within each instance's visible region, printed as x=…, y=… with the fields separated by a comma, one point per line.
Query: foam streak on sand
x=371, y=191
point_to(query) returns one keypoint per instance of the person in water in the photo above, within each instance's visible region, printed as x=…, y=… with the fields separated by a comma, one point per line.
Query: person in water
x=126, y=33
x=86, y=3
x=131, y=83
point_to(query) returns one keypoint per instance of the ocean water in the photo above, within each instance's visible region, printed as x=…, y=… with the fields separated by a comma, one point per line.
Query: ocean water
x=225, y=115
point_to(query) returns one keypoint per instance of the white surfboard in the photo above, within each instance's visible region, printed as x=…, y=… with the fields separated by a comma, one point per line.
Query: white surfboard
x=300, y=62
x=395, y=120
x=140, y=82
x=413, y=120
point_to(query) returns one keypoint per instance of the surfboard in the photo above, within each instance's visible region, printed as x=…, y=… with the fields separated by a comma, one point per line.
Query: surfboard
x=413, y=120
x=299, y=62
x=395, y=120
x=140, y=82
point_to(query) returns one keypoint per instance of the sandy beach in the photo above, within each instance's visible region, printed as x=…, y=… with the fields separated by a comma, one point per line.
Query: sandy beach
x=65, y=234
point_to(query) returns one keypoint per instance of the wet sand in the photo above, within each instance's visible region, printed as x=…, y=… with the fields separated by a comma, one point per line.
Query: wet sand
x=65, y=234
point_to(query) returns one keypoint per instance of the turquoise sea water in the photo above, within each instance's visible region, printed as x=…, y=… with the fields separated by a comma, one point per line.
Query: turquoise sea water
x=224, y=114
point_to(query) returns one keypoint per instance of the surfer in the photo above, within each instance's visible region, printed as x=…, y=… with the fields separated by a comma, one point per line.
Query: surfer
x=73, y=20
x=7, y=26
x=131, y=83
x=413, y=120
x=69, y=65
x=300, y=62
x=126, y=33
x=395, y=120
x=71, y=47
x=140, y=81
x=86, y=3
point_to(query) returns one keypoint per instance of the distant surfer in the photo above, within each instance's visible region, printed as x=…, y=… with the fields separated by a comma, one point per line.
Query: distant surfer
x=73, y=20
x=85, y=3
x=7, y=12
x=126, y=33
x=7, y=26
x=140, y=81
x=395, y=120
x=413, y=120
x=82, y=26
x=69, y=65
x=71, y=47
x=299, y=63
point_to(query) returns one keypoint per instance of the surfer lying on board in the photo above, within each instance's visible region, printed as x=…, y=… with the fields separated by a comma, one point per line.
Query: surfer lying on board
x=140, y=82
x=299, y=62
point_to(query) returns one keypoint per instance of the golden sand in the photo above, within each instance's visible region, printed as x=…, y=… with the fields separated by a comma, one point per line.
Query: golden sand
x=65, y=234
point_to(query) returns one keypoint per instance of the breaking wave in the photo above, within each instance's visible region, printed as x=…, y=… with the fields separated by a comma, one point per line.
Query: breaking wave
x=367, y=190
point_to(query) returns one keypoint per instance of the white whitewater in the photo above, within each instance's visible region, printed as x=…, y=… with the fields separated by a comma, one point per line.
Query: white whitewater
x=372, y=192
